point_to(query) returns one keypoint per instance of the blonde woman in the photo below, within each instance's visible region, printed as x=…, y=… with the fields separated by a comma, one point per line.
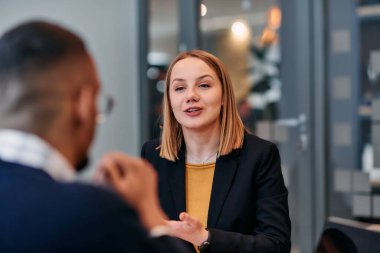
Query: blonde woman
x=221, y=187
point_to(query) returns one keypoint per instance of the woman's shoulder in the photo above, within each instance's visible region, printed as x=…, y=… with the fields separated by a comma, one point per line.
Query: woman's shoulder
x=151, y=147
x=255, y=141
x=154, y=143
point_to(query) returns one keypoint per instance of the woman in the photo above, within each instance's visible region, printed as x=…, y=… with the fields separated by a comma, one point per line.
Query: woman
x=223, y=184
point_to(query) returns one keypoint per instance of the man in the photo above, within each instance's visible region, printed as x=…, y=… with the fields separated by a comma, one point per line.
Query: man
x=48, y=93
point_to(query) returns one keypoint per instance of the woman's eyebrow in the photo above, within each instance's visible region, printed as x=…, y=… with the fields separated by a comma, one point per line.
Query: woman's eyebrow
x=178, y=79
x=198, y=78
x=203, y=76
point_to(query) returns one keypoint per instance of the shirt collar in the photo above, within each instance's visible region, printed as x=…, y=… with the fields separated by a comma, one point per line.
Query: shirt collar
x=30, y=150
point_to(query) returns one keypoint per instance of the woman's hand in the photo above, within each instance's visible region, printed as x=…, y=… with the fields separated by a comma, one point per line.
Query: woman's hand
x=189, y=229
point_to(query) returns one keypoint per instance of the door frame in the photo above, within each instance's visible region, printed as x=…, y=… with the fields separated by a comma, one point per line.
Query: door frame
x=303, y=71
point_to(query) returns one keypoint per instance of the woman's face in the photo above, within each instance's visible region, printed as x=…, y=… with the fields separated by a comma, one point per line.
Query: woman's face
x=195, y=95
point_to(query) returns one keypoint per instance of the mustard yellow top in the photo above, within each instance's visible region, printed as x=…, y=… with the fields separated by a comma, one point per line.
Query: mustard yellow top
x=198, y=190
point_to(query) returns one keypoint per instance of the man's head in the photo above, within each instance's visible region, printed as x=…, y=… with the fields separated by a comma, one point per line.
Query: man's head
x=48, y=87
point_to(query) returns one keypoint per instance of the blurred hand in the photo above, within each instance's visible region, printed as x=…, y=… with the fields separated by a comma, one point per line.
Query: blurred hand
x=189, y=229
x=136, y=181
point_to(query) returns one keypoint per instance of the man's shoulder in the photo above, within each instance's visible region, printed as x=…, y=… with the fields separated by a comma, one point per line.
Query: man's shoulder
x=93, y=200
x=57, y=210
x=84, y=190
x=38, y=188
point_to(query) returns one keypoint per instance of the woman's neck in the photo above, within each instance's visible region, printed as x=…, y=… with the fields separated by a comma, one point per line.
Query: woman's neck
x=201, y=147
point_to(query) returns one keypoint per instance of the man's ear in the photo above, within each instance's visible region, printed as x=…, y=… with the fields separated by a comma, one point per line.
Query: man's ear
x=85, y=107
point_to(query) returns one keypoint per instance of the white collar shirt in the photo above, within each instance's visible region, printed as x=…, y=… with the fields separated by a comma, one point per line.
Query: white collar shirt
x=30, y=150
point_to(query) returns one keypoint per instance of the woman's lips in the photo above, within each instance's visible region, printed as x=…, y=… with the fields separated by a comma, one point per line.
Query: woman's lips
x=193, y=111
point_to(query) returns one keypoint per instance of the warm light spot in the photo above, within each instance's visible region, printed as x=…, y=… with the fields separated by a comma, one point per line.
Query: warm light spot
x=240, y=29
x=274, y=18
x=203, y=10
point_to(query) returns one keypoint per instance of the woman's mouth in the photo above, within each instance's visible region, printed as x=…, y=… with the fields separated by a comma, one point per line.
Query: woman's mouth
x=193, y=111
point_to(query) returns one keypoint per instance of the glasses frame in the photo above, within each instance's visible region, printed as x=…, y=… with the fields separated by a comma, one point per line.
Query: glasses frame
x=104, y=111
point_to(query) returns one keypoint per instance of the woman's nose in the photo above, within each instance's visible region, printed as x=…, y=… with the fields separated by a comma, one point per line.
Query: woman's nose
x=192, y=96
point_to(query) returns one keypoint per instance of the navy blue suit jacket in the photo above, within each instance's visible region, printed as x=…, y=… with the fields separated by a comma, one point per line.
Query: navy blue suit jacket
x=248, y=209
x=41, y=215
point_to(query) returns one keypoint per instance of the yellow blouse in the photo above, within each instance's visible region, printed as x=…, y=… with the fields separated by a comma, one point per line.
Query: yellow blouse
x=199, y=179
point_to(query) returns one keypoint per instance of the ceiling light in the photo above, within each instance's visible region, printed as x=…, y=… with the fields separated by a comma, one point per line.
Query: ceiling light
x=203, y=10
x=240, y=29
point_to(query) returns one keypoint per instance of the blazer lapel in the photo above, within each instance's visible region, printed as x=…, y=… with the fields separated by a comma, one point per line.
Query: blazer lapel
x=176, y=174
x=225, y=170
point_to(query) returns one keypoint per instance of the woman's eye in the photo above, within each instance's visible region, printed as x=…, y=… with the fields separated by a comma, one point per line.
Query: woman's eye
x=204, y=85
x=179, y=88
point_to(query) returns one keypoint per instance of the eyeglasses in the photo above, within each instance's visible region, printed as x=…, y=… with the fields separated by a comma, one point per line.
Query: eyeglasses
x=105, y=105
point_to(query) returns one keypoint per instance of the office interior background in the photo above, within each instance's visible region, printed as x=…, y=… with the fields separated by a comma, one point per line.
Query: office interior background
x=306, y=76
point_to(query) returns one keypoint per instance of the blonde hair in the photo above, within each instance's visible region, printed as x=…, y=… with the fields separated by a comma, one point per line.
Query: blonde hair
x=232, y=127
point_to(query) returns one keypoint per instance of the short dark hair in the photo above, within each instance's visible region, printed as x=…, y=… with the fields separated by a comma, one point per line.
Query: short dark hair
x=36, y=45
x=26, y=52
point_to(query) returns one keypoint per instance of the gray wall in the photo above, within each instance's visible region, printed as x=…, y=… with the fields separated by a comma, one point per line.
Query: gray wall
x=110, y=31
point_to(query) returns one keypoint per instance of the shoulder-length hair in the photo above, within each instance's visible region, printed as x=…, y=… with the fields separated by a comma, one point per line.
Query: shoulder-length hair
x=232, y=127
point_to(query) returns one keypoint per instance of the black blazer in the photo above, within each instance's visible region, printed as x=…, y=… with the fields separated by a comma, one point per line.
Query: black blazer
x=248, y=209
x=40, y=215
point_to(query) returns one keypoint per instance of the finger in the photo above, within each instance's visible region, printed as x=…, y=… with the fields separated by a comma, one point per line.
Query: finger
x=112, y=174
x=182, y=215
x=186, y=217
x=101, y=173
x=120, y=170
x=135, y=165
x=99, y=177
x=180, y=227
x=138, y=170
x=115, y=161
x=174, y=224
x=192, y=221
